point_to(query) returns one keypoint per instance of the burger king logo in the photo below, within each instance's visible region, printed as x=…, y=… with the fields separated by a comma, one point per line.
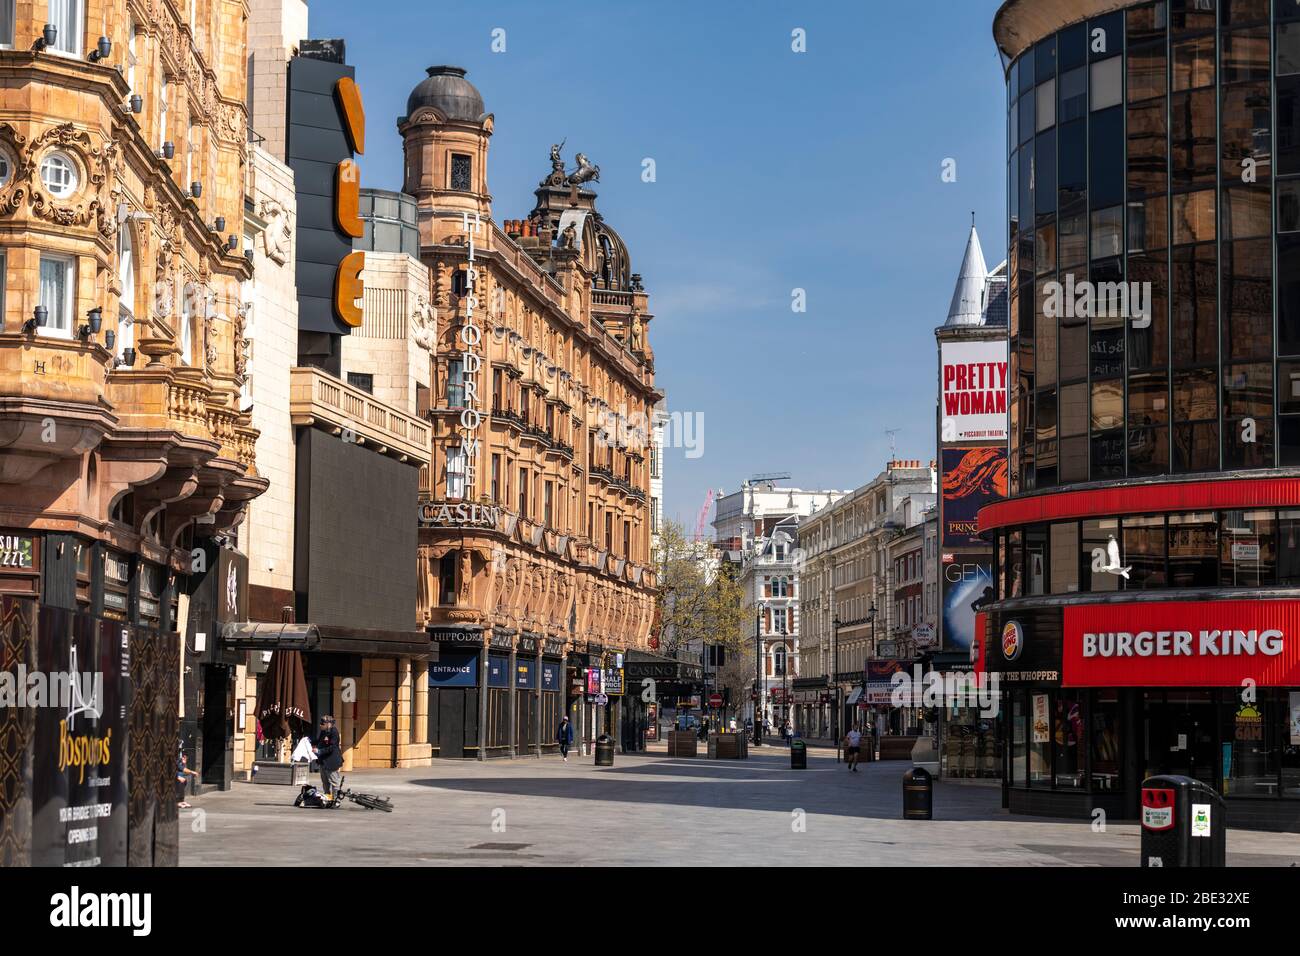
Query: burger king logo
x=1013, y=640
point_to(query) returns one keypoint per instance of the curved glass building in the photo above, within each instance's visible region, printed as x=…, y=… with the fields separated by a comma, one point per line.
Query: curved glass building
x=1146, y=614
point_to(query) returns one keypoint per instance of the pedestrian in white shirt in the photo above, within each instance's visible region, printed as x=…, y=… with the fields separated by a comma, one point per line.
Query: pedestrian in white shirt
x=852, y=744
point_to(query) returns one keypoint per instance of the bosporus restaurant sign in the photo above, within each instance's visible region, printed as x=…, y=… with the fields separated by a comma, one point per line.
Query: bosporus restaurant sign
x=1182, y=644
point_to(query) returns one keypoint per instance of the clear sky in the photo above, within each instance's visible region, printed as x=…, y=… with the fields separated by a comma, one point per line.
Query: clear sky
x=774, y=170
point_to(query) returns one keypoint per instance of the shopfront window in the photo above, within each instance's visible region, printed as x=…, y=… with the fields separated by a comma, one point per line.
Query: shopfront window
x=1290, y=731
x=1095, y=548
x=1036, y=560
x=1193, y=550
x=1104, y=721
x=1144, y=552
x=1040, y=741
x=1250, y=746
x=1247, y=548
x=1288, y=552
x=1018, y=752
x=1065, y=558
x=1015, y=565
x=1067, y=738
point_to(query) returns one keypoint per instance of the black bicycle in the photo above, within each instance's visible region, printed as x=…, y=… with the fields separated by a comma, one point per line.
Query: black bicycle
x=313, y=797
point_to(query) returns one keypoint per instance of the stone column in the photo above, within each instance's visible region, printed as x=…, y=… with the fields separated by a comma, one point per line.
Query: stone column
x=537, y=693
x=512, y=708
x=420, y=702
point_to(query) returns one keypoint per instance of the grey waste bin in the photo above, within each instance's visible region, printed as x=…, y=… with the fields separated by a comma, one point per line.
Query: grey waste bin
x=604, y=751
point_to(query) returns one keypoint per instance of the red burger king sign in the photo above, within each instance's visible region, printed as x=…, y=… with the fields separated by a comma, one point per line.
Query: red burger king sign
x=1182, y=644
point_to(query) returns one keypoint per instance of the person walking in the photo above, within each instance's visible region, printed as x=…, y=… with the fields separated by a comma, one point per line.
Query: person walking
x=852, y=745
x=329, y=756
x=564, y=737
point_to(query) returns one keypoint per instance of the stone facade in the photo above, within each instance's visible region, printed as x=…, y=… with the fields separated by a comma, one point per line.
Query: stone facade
x=147, y=452
x=566, y=389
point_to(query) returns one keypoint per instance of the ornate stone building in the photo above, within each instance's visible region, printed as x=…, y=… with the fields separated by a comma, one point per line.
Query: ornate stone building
x=124, y=452
x=535, y=537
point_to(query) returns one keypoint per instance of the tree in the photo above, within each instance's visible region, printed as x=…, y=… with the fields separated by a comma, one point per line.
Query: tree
x=699, y=600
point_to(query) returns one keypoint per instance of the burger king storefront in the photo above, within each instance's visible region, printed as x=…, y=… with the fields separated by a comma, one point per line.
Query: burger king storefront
x=1188, y=665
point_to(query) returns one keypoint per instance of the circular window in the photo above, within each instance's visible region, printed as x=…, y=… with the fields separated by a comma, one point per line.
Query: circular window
x=59, y=174
x=5, y=167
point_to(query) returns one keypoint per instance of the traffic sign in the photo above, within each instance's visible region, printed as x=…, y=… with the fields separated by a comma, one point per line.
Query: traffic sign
x=715, y=700
x=602, y=699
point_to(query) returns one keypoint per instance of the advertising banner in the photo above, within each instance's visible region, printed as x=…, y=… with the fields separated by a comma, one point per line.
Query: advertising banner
x=454, y=668
x=498, y=671
x=973, y=391
x=1042, y=731
x=550, y=676
x=880, y=679
x=1182, y=644
x=972, y=478
x=963, y=578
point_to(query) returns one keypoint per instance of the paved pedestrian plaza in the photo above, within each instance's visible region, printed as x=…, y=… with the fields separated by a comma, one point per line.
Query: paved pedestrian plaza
x=658, y=811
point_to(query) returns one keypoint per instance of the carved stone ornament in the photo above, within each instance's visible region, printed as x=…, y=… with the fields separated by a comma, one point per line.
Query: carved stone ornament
x=277, y=240
x=99, y=164
x=424, y=324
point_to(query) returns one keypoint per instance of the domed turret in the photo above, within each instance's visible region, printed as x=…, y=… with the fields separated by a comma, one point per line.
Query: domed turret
x=447, y=91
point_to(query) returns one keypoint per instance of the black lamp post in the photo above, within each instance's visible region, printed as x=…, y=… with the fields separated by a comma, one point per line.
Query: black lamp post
x=758, y=680
x=834, y=678
x=871, y=616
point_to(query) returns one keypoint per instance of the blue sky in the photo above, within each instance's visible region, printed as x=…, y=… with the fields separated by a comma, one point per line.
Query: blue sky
x=775, y=170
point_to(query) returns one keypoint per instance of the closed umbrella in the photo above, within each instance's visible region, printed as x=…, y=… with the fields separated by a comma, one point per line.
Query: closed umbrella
x=283, y=706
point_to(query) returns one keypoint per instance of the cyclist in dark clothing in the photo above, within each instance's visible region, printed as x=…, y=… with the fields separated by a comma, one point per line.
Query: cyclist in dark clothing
x=329, y=755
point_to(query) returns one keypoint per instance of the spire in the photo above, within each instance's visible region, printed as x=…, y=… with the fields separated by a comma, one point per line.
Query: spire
x=968, y=297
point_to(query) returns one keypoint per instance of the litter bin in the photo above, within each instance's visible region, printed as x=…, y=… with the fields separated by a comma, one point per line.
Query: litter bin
x=798, y=755
x=604, y=751
x=1184, y=823
x=918, y=794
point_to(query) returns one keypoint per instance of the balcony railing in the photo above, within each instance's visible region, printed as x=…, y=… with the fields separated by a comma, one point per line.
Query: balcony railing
x=317, y=397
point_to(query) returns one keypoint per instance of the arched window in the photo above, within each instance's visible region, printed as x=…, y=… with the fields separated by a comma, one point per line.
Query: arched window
x=778, y=656
x=126, y=278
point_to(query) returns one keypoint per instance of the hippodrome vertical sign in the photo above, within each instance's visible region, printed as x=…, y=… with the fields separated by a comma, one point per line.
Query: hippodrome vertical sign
x=471, y=362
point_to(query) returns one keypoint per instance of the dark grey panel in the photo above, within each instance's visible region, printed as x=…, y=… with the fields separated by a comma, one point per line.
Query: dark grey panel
x=316, y=144
x=316, y=212
x=322, y=246
x=315, y=75
x=316, y=280
x=316, y=314
x=313, y=178
x=360, y=534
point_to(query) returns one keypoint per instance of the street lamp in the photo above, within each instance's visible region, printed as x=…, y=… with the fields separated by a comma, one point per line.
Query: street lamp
x=757, y=697
x=834, y=679
x=871, y=616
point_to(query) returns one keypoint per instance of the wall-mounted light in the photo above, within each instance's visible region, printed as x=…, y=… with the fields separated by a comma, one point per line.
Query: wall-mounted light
x=102, y=49
x=110, y=339
x=168, y=149
x=219, y=224
x=94, y=319
x=137, y=103
x=128, y=357
x=196, y=190
x=232, y=243
x=39, y=316
x=49, y=34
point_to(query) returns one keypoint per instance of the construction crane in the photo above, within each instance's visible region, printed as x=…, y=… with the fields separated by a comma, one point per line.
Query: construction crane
x=704, y=516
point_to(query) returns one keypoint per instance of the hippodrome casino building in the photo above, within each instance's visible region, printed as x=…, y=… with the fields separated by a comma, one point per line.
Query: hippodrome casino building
x=1160, y=143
